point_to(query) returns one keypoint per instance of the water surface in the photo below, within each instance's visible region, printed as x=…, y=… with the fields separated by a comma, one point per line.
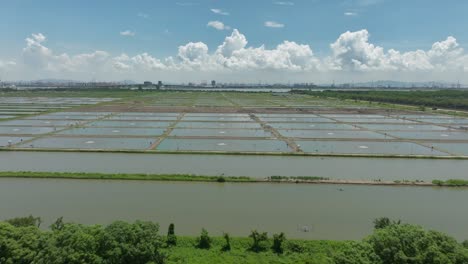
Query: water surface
x=237, y=208
x=237, y=165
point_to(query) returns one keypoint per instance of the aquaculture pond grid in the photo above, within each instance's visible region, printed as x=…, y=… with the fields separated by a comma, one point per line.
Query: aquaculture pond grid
x=368, y=134
x=15, y=107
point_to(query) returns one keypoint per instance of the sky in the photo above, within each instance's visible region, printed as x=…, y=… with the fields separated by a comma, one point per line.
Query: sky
x=244, y=41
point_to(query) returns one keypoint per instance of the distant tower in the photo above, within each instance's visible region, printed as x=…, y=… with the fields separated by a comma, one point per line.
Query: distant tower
x=213, y=83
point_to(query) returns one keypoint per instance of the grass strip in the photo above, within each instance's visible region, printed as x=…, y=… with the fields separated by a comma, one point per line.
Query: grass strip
x=451, y=183
x=123, y=176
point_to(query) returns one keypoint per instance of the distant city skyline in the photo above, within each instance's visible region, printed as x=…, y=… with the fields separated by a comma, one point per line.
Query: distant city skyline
x=312, y=41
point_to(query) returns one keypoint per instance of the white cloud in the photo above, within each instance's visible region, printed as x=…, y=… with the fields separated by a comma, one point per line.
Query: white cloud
x=127, y=33
x=218, y=25
x=219, y=12
x=37, y=56
x=352, y=50
x=273, y=24
x=236, y=41
x=193, y=51
x=284, y=3
x=7, y=64
x=352, y=55
x=350, y=14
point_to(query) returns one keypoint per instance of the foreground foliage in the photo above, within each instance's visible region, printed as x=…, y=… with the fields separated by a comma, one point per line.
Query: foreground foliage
x=140, y=242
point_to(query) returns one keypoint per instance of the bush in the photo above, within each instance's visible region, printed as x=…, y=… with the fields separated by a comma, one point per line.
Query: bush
x=171, y=237
x=465, y=244
x=384, y=222
x=402, y=244
x=227, y=246
x=25, y=221
x=278, y=240
x=221, y=179
x=295, y=247
x=259, y=241
x=204, y=241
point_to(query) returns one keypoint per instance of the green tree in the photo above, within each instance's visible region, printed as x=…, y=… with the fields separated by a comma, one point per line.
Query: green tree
x=58, y=224
x=259, y=241
x=74, y=244
x=355, y=253
x=25, y=221
x=171, y=237
x=278, y=240
x=465, y=244
x=227, y=239
x=403, y=244
x=137, y=243
x=204, y=241
x=384, y=222
x=19, y=244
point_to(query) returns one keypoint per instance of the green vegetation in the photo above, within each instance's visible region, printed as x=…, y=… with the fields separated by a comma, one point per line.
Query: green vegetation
x=453, y=182
x=451, y=99
x=171, y=239
x=384, y=222
x=217, y=179
x=278, y=240
x=122, y=176
x=297, y=178
x=25, y=221
x=259, y=241
x=204, y=241
x=227, y=246
x=140, y=242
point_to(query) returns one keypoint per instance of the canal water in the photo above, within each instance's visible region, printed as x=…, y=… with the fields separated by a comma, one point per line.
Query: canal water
x=326, y=211
x=237, y=165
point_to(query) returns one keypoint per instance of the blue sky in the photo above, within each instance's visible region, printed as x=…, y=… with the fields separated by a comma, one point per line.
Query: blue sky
x=159, y=27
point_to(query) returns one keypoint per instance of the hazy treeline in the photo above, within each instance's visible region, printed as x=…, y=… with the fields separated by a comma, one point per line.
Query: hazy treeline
x=452, y=99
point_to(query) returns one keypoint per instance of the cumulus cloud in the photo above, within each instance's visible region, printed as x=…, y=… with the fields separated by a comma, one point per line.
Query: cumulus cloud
x=35, y=54
x=273, y=24
x=127, y=33
x=351, y=55
x=236, y=41
x=219, y=12
x=193, y=51
x=352, y=51
x=218, y=25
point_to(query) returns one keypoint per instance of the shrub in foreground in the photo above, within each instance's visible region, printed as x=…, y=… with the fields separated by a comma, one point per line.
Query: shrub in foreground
x=204, y=241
